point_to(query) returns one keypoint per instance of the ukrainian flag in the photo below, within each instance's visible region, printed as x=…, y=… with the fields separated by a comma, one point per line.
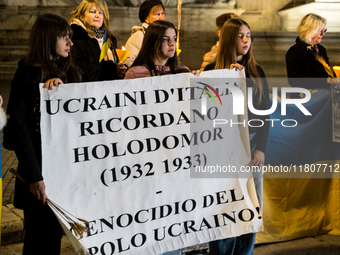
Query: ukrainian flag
x=298, y=207
x=310, y=141
x=105, y=47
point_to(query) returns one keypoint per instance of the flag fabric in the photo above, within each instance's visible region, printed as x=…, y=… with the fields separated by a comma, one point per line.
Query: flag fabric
x=298, y=207
x=105, y=47
x=308, y=142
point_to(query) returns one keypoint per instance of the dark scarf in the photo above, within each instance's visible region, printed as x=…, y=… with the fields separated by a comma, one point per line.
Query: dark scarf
x=99, y=32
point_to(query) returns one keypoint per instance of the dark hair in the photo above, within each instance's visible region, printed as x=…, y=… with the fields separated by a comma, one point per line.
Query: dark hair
x=152, y=44
x=42, y=48
x=220, y=20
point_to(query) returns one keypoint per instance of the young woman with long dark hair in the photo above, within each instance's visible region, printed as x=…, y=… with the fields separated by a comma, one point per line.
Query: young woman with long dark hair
x=149, y=11
x=48, y=61
x=158, y=53
x=157, y=57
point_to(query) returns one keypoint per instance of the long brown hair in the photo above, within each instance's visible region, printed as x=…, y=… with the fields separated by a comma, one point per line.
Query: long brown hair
x=226, y=53
x=152, y=44
x=42, y=48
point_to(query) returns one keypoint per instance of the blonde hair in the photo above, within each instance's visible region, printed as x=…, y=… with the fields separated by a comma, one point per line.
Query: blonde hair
x=309, y=27
x=87, y=4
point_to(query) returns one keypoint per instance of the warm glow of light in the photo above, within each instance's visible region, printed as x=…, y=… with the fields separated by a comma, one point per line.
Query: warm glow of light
x=122, y=54
x=337, y=71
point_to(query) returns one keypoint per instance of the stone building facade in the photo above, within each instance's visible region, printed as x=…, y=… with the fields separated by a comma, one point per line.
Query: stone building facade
x=273, y=25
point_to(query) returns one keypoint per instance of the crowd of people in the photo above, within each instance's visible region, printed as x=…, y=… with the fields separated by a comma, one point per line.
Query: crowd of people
x=63, y=52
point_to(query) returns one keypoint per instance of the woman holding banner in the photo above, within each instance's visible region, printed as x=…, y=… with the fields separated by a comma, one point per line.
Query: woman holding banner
x=235, y=51
x=157, y=57
x=48, y=61
x=158, y=53
x=92, y=37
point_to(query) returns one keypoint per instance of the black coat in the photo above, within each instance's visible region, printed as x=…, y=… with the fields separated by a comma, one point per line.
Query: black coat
x=23, y=130
x=301, y=63
x=85, y=54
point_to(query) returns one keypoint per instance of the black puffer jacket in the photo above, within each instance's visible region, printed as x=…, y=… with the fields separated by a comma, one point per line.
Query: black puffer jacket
x=85, y=54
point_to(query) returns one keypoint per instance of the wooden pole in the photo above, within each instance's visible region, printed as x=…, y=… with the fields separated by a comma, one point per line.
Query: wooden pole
x=179, y=9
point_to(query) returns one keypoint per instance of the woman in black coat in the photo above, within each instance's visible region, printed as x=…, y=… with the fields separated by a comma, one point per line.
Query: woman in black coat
x=49, y=62
x=307, y=58
x=90, y=25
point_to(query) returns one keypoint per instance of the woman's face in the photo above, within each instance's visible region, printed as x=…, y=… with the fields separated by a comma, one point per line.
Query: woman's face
x=318, y=37
x=243, y=42
x=168, y=47
x=63, y=46
x=93, y=16
x=153, y=16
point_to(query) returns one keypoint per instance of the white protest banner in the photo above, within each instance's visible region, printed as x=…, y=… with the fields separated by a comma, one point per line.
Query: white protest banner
x=118, y=154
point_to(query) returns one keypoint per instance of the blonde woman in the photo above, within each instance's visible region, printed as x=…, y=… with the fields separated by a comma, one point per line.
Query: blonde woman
x=307, y=58
x=89, y=23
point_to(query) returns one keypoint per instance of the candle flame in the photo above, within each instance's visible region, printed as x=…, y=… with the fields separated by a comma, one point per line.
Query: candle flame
x=123, y=48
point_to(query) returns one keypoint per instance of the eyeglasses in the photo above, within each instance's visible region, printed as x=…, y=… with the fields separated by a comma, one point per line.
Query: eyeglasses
x=323, y=32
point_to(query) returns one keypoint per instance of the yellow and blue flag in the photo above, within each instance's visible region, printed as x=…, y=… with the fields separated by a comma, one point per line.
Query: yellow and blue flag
x=308, y=142
x=305, y=201
x=105, y=47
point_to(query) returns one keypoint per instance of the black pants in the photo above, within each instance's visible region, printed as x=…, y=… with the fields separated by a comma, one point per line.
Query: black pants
x=43, y=232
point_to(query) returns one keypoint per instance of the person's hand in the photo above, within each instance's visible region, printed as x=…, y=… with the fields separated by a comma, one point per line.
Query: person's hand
x=121, y=69
x=237, y=67
x=52, y=82
x=333, y=82
x=38, y=190
x=1, y=101
x=258, y=159
x=196, y=72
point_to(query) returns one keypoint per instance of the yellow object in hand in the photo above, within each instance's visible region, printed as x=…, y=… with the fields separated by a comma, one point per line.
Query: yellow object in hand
x=337, y=71
x=122, y=54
